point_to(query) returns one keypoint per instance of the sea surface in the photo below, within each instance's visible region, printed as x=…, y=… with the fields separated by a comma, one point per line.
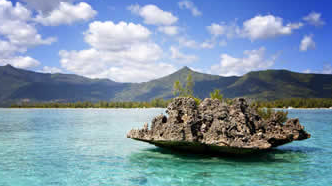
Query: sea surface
x=88, y=147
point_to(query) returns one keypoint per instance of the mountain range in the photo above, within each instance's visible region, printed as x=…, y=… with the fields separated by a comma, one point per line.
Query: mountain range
x=22, y=85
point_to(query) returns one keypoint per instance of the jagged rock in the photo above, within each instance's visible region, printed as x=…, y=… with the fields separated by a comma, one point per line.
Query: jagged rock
x=214, y=126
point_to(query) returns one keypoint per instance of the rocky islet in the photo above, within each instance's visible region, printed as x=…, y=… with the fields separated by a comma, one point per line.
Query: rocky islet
x=214, y=126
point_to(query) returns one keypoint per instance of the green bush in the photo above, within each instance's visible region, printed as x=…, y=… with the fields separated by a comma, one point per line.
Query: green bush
x=267, y=113
x=216, y=95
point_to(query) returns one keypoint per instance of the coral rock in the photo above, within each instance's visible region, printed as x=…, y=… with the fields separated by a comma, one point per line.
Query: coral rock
x=214, y=126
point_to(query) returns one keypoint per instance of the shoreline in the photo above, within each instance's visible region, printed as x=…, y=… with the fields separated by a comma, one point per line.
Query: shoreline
x=85, y=108
x=303, y=108
x=165, y=108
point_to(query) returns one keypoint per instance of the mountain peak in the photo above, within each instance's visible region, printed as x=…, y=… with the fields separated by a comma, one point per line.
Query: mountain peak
x=185, y=69
x=9, y=66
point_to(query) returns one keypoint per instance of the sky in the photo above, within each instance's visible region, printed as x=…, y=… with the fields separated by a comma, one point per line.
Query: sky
x=137, y=41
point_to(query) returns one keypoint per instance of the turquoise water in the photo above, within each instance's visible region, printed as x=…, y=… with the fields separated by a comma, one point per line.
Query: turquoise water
x=40, y=147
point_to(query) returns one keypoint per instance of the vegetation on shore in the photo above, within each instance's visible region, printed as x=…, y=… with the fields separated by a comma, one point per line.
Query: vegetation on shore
x=296, y=103
x=266, y=113
x=155, y=103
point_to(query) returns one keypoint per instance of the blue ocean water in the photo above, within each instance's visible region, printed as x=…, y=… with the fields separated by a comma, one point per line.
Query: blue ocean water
x=40, y=147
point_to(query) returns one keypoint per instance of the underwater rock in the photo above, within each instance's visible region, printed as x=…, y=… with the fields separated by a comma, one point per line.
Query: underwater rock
x=214, y=126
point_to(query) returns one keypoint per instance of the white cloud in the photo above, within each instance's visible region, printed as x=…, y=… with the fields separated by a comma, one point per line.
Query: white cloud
x=262, y=27
x=105, y=64
x=327, y=69
x=24, y=62
x=189, y=43
x=44, y=6
x=23, y=34
x=122, y=52
x=180, y=57
x=308, y=71
x=108, y=35
x=209, y=44
x=52, y=70
x=307, y=43
x=229, y=30
x=10, y=12
x=216, y=29
x=190, y=6
x=153, y=15
x=7, y=49
x=314, y=18
x=258, y=27
x=169, y=30
x=253, y=60
x=16, y=28
x=66, y=13
x=18, y=33
x=184, y=42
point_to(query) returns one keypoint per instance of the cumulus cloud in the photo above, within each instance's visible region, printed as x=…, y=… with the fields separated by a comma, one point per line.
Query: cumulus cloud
x=108, y=35
x=307, y=43
x=327, y=69
x=66, y=13
x=253, y=60
x=189, y=43
x=24, y=62
x=307, y=71
x=153, y=15
x=190, y=6
x=180, y=57
x=262, y=27
x=7, y=48
x=229, y=30
x=18, y=33
x=15, y=26
x=52, y=70
x=123, y=52
x=44, y=6
x=216, y=29
x=169, y=30
x=23, y=34
x=314, y=18
x=258, y=27
x=184, y=42
x=209, y=44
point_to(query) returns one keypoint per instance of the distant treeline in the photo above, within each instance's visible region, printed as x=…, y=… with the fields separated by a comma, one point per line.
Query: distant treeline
x=155, y=103
x=296, y=103
x=185, y=91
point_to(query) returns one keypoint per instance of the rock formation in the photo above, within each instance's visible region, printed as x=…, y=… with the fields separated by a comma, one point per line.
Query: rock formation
x=213, y=126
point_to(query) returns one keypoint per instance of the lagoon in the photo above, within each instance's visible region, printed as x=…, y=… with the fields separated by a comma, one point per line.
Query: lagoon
x=89, y=147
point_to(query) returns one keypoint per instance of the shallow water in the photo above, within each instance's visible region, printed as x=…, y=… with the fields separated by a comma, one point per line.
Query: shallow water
x=89, y=147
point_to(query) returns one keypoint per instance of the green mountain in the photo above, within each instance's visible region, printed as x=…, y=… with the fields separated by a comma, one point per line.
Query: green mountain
x=162, y=87
x=17, y=85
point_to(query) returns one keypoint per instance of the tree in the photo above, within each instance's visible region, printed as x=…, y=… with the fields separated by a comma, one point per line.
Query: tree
x=186, y=91
x=216, y=94
x=189, y=85
x=177, y=88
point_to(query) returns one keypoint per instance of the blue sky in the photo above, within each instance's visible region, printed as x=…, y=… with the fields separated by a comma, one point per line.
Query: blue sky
x=136, y=41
